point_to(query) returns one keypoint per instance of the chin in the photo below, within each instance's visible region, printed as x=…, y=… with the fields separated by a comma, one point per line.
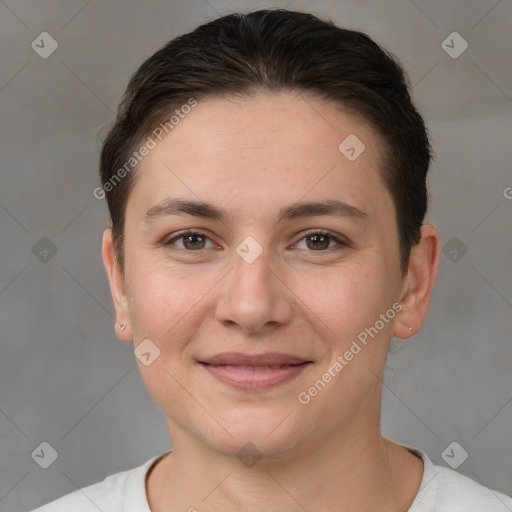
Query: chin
x=269, y=433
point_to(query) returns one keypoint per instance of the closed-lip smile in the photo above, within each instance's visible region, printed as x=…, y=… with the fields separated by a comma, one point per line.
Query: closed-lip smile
x=254, y=371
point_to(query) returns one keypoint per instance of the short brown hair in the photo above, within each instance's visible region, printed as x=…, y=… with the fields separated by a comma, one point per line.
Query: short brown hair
x=277, y=50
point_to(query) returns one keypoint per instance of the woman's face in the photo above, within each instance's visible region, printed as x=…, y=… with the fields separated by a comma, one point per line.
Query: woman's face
x=260, y=279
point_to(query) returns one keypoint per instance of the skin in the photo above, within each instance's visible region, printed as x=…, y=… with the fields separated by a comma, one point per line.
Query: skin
x=251, y=157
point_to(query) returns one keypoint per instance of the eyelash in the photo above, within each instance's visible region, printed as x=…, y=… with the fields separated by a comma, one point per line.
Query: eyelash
x=341, y=243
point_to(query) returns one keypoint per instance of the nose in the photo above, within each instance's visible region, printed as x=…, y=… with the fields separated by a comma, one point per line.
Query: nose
x=254, y=296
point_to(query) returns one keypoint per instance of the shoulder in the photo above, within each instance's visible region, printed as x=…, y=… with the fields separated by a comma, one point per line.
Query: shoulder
x=112, y=494
x=445, y=490
x=458, y=492
x=104, y=495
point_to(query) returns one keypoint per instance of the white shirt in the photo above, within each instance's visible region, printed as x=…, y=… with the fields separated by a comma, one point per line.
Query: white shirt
x=441, y=490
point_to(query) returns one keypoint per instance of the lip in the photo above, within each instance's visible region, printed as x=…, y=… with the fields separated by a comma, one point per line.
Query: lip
x=241, y=359
x=246, y=372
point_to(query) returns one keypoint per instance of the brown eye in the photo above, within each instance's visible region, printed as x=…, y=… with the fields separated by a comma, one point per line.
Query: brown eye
x=319, y=241
x=191, y=241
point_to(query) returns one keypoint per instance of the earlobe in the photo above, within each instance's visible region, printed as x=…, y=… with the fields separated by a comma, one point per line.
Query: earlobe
x=419, y=283
x=117, y=286
x=122, y=333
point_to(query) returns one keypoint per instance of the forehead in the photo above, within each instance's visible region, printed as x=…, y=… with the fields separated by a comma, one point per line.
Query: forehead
x=273, y=148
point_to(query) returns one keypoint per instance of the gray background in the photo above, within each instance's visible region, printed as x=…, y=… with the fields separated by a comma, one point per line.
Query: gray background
x=67, y=380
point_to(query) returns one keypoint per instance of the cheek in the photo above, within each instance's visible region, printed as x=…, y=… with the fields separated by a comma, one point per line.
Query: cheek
x=348, y=306
x=163, y=307
x=346, y=300
x=159, y=302
x=165, y=303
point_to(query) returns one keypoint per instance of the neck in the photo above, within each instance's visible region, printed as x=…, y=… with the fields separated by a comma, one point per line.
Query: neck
x=357, y=471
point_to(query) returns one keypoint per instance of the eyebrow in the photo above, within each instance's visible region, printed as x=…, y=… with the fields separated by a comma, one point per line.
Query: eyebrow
x=333, y=207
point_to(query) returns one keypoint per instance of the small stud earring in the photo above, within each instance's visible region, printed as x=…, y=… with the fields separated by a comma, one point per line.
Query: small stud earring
x=122, y=326
x=410, y=332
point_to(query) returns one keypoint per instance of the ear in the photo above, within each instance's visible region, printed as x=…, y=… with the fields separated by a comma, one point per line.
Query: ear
x=117, y=287
x=419, y=283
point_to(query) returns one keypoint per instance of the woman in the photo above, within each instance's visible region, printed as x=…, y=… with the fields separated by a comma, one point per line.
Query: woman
x=266, y=180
